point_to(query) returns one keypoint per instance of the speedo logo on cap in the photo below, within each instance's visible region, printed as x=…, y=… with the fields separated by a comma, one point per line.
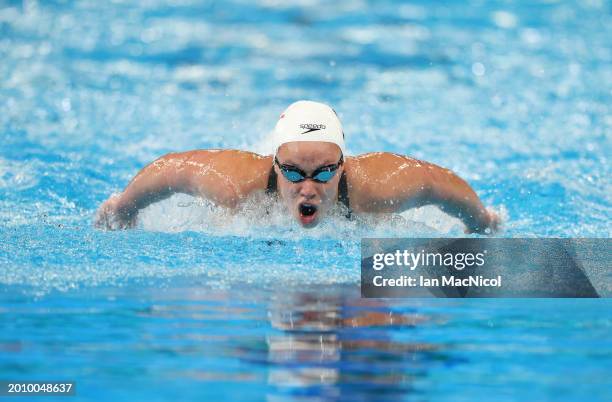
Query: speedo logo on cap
x=310, y=127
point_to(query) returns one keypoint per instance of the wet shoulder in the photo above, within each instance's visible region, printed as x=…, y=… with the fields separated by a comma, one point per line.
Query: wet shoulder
x=370, y=175
x=246, y=170
x=364, y=168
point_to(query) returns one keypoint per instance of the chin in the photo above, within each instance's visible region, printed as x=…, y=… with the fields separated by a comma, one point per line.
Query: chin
x=307, y=223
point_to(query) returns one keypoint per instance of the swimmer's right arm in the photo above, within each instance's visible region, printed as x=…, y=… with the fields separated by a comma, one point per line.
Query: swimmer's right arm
x=155, y=182
x=200, y=173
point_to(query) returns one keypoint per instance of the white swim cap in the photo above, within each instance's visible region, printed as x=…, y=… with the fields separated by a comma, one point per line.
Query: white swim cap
x=308, y=121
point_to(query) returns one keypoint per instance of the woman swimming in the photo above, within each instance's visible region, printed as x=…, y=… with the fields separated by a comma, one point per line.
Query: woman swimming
x=310, y=173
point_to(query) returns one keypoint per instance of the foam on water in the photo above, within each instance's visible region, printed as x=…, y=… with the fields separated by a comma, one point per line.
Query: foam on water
x=265, y=217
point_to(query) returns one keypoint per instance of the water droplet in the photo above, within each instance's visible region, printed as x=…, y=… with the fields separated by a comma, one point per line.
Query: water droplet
x=504, y=19
x=478, y=69
x=66, y=105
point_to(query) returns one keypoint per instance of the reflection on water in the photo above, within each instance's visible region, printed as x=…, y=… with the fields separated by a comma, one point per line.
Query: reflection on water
x=329, y=346
x=181, y=338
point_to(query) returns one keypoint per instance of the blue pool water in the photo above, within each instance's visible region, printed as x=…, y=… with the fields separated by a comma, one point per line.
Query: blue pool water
x=196, y=304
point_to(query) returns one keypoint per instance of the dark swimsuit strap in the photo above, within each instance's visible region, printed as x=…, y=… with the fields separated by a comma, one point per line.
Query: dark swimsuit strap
x=343, y=196
x=272, y=177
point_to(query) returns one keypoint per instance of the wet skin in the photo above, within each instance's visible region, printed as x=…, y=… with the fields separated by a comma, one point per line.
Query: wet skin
x=378, y=182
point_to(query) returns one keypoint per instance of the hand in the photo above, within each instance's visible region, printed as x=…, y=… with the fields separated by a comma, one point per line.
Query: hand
x=494, y=222
x=111, y=217
x=490, y=224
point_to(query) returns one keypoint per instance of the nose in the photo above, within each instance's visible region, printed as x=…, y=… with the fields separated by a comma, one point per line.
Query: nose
x=308, y=189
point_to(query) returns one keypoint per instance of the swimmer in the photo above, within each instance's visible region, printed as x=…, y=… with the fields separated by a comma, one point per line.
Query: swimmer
x=309, y=172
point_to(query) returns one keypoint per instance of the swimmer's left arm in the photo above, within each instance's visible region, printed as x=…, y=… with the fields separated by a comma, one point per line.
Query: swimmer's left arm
x=396, y=183
x=454, y=196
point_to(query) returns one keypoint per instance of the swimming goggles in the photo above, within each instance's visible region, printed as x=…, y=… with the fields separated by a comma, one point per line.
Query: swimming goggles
x=320, y=175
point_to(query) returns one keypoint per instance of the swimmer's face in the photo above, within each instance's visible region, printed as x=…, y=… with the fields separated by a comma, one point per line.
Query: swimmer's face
x=308, y=200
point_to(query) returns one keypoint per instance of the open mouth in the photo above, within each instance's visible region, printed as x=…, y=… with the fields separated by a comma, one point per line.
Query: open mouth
x=307, y=209
x=307, y=213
